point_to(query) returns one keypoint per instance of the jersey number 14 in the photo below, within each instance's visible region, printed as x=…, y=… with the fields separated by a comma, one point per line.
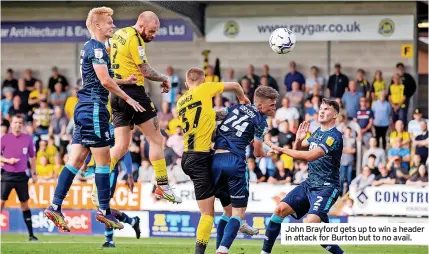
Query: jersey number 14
x=236, y=123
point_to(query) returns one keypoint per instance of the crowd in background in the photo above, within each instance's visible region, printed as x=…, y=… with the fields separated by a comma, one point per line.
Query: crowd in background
x=373, y=116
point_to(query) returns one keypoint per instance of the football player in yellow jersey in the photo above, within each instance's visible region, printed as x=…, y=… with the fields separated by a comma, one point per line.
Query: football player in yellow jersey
x=128, y=57
x=198, y=118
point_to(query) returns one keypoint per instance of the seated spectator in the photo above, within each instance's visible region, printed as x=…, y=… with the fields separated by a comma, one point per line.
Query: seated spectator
x=365, y=119
x=379, y=153
x=401, y=175
x=41, y=151
x=378, y=85
x=255, y=173
x=172, y=125
x=254, y=80
x=59, y=98
x=247, y=89
x=211, y=77
x=296, y=96
x=281, y=175
x=42, y=117
x=51, y=150
x=363, y=86
x=16, y=108
x=347, y=158
x=419, y=179
x=58, y=122
x=164, y=116
x=10, y=83
x=145, y=172
x=29, y=80
x=309, y=111
x=287, y=160
x=44, y=170
x=347, y=209
x=397, y=151
x=58, y=165
x=292, y=76
x=267, y=166
x=344, y=123
x=337, y=83
x=71, y=103
x=218, y=102
x=271, y=82
x=363, y=180
x=286, y=137
x=397, y=99
x=302, y=173
x=385, y=177
x=414, y=127
x=382, y=110
x=421, y=142
x=36, y=95
x=175, y=141
x=414, y=165
x=399, y=132
x=176, y=174
x=24, y=94
x=57, y=78
x=286, y=113
x=351, y=100
x=6, y=103
x=314, y=80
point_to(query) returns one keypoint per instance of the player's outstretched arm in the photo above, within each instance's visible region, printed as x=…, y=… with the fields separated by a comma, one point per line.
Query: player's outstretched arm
x=152, y=74
x=300, y=141
x=131, y=80
x=105, y=79
x=308, y=156
x=238, y=90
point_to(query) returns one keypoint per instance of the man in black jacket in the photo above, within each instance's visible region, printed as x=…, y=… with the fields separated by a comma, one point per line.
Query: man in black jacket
x=337, y=83
x=410, y=85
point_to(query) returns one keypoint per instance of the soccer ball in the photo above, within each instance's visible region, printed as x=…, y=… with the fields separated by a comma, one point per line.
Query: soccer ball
x=282, y=41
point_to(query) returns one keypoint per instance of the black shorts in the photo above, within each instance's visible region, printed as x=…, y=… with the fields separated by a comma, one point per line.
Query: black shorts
x=197, y=165
x=124, y=114
x=17, y=181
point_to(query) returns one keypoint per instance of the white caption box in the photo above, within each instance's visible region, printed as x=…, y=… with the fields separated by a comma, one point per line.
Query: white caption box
x=354, y=233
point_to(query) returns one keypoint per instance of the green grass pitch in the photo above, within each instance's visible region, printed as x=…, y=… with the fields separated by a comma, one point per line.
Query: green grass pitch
x=18, y=243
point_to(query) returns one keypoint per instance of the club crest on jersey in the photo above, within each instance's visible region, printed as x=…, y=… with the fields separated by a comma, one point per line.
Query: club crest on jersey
x=98, y=53
x=330, y=141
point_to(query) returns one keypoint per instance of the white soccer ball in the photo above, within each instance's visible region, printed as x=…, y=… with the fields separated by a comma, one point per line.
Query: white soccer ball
x=282, y=41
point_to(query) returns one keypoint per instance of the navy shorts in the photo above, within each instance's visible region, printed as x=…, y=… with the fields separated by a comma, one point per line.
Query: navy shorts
x=312, y=200
x=92, y=126
x=231, y=178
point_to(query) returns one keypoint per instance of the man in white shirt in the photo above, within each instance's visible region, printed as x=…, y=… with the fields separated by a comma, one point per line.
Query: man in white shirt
x=286, y=113
x=414, y=125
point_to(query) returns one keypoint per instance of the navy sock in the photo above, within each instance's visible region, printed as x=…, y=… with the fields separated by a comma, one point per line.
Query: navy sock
x=125, y=218
x=334, y=249
x=65, y=180
x=231, y=231
x=221, y=229
x=108, y=233
x=102, y=181
x=273, y=230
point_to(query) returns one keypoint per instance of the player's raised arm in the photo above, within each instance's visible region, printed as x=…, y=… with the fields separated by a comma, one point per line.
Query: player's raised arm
x=301, y=134
x=238, y=90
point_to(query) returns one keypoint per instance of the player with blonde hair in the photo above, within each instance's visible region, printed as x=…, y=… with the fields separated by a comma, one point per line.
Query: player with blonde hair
x=91, y=118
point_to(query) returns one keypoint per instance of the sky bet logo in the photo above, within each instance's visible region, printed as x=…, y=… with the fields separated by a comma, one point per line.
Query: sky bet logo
x=78, y=221
x=4, y=221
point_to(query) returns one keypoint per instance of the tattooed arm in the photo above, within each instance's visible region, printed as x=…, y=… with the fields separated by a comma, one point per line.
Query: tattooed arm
x=221, y=114
x=151, y=74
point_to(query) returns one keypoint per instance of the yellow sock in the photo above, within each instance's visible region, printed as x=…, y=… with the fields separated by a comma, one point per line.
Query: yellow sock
x=113, y=163
x=203, y=232
x=160, y=168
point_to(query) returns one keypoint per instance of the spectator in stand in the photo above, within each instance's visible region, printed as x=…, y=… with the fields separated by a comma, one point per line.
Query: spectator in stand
x=399, y=171
x=45, y=171
x=414, y=164
x=379, y=153
x=230, y=95
x=254, y=79
x=173, y=122
x=218, y=102
x=24, y=94
x=286, y=137
x=165, y=115
x=59, y=98
x=315, y=80
x=16, y=108
x=292, y=76
x=211, y=77
x=51, y=150
x=381, y=109
x=365, y=119
x=351, y=100
x=296, y=97
x=378, y=85
x=59, y=122
x=302, y=172
x=347, y=158
x=409, y=84
x=6, y=103
x=363, y=86
x=176, y=87
x=399, y=132
x=363, y=180
x=58, y=165
x=176, y=174
x=271, y=82
x=10, y=83
x=36, y=94
x=397, y=99
x=175, y=142
x=255, y=174
x=419, y=179
x=337, y=83
x=371, y=164
x=29, y=80
x=414, y=126
x=421, y=142
x=57, y=78
x=397, y=151
x=286, y=113
x=145, y=172
x=345, y=123
x=347, y=209
x=310, y=111
x=42, y=117
x=281, y=175
x=245, y=84
x=385, y=177
x=71, y=103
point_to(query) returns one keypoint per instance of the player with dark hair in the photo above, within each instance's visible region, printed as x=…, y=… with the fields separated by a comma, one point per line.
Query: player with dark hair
x=316, y=195
x=242, y=125
x=91, y=118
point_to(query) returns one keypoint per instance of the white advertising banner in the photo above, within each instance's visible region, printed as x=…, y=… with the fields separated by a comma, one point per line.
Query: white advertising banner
x=312, y=28
x=392, y=200
x=263, y=198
